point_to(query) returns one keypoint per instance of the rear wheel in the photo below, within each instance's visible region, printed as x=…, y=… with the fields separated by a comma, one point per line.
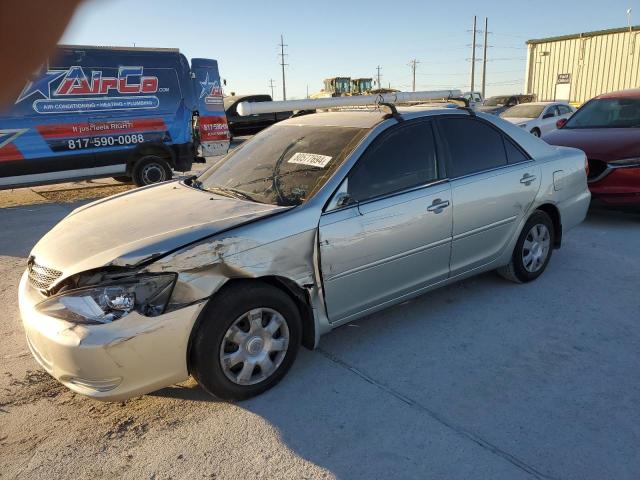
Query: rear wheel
x=246, y=342
x=533, y=250
x=535, y=132
x=151, y=169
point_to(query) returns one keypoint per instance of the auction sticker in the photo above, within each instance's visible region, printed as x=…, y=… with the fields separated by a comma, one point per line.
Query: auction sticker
x=311, y=159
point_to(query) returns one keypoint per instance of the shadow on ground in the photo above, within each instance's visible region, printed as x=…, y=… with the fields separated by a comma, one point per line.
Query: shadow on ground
x=481, y=379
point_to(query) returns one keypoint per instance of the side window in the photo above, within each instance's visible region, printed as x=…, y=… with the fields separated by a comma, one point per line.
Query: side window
x=514, y=154
x=474, y=146
x=400, y=159
x=564, y=109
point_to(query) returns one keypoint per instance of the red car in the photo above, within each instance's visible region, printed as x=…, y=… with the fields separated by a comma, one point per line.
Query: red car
x=607, y=129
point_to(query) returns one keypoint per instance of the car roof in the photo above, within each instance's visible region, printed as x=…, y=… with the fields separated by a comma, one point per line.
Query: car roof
x=365, y=118
x=631, y=92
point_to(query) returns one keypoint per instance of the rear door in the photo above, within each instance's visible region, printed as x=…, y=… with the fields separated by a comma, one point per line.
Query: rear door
x=493, y=184
x=395, y=236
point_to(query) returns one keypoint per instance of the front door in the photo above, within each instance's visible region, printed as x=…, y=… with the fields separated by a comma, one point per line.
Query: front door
x=395, y=237
x=493, y=184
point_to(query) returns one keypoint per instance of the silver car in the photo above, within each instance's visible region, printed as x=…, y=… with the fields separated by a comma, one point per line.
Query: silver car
x=314, y=222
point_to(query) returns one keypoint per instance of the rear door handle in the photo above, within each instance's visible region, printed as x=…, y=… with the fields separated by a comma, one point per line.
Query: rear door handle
x=527, y=179
x=438, y=205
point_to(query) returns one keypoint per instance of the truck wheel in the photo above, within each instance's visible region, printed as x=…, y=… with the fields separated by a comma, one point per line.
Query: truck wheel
x=246, y=342
x=150, y=169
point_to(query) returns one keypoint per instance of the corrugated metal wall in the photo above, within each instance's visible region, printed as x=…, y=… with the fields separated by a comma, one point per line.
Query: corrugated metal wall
x=597, y=64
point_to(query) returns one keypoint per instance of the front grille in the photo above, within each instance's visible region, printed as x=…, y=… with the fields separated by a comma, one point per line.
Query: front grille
x=596, y=168
x=41, y=277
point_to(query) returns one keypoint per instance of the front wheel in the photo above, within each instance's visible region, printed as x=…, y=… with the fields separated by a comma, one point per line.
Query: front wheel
x=535, y=132
x=246, y=342
x=533, y=250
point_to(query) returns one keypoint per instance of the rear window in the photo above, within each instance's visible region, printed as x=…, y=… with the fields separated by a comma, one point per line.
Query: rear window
x=283, y=165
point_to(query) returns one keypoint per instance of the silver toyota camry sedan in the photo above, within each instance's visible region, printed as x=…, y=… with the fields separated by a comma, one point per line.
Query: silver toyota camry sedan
x=314, y=222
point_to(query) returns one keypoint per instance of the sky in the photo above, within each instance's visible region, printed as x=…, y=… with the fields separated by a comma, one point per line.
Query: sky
x=350, y=38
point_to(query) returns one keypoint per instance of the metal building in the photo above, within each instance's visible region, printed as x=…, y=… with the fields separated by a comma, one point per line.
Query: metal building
x=578, y=67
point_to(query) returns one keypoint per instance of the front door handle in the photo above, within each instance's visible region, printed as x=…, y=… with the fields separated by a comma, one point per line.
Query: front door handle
x=438, y=205
x=527, y=179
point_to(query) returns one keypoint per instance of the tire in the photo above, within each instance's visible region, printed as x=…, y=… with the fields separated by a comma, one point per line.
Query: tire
x=536, y=132
x=122, y=179
x=227, y=342
x=527, y=265
x=150, y=169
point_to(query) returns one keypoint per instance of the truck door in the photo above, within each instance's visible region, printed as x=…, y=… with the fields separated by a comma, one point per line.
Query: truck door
x=212, y=131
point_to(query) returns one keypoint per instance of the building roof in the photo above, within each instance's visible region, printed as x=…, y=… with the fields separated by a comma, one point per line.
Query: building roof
x=634, y=28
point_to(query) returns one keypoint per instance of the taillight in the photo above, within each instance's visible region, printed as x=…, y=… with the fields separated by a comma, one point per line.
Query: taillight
x=586, y=165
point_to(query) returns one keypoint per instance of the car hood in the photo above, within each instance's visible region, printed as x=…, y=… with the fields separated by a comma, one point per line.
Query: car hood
x=136, y=226
x=599, y=143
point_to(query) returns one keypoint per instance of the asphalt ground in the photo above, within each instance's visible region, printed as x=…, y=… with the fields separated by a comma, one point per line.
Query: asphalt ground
x=482, y=379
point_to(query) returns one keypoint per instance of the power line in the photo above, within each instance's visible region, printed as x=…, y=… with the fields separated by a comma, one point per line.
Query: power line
x=282, y=64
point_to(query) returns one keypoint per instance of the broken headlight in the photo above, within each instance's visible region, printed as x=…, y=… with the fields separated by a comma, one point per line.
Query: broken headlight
x=145, y=294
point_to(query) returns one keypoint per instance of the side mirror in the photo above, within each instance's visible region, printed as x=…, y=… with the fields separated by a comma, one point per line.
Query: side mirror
x=343, y=199
x=561, y=123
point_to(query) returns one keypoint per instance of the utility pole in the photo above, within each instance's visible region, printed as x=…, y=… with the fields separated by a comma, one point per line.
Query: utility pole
x=473, y=55
x=271, y=85
x=307, y=90
x=378, y=68
x=484, y=56
x=413, y=64
x=282, y=64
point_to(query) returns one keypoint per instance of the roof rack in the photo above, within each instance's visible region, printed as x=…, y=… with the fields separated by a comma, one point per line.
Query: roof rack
x=386, y=99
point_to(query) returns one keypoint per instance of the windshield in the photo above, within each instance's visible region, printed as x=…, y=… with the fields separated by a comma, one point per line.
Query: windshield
x=607, y=113
x=523, y=111
x=496, y=101
x=282, y=165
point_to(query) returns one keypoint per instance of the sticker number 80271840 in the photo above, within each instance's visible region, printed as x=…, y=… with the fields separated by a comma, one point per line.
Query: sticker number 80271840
x=94, y=142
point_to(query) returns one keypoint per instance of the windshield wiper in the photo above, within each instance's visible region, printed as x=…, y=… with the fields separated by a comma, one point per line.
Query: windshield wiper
x=232, y=193
x=193, y=181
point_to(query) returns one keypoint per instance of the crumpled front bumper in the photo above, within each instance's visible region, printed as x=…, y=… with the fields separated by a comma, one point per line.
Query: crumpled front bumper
x=131, y=356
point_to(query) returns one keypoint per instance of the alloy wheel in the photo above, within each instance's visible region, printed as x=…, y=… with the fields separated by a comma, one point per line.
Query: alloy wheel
x=535, y=249
x=254, y=346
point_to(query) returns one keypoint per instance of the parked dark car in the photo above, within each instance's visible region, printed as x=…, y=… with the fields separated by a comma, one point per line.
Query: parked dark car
x=250, y=124
x=497, y=105
x=607, y=129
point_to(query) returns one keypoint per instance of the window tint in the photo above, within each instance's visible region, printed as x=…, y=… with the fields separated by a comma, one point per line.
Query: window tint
x=514, y=154
x=402, y=158
x=474, y=146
